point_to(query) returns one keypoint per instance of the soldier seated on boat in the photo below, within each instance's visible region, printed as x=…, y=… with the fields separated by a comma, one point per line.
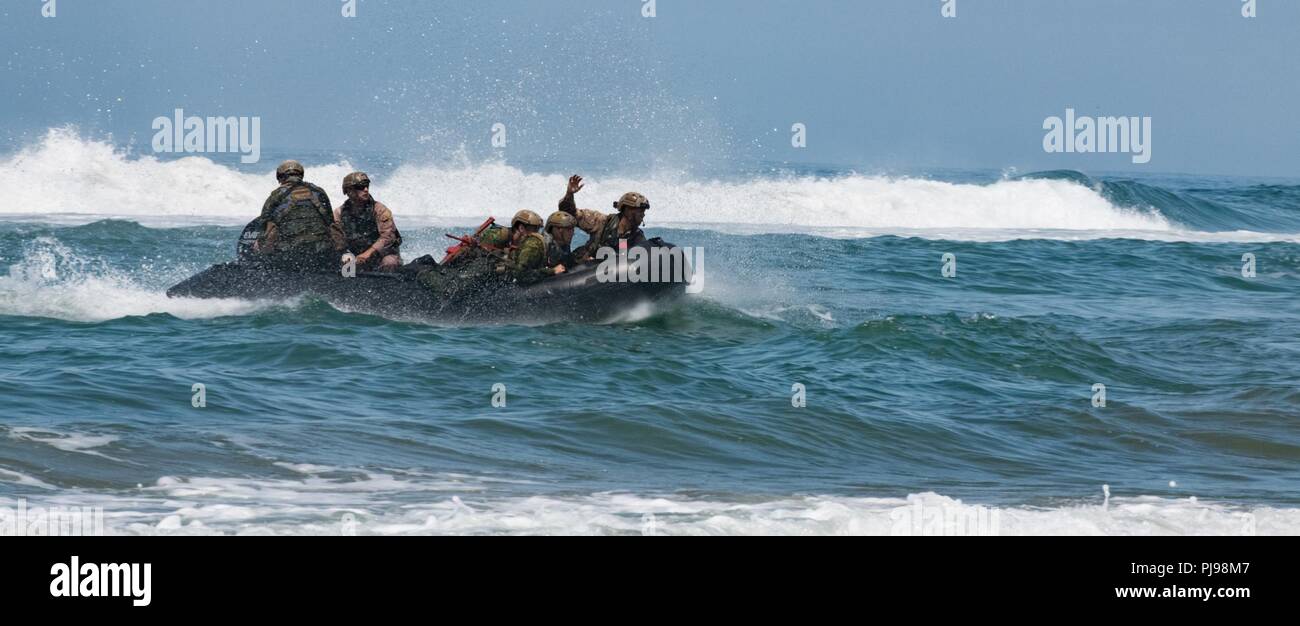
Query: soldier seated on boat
x=559, y=240
x=525, y=262
x=368, y=228
x=297, y=228
x=606, y=230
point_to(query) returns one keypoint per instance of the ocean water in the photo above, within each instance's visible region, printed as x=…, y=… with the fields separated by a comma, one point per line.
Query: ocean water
x=970, y=397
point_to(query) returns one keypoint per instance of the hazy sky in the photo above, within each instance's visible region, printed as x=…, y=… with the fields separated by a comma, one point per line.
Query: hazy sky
x=880, y=84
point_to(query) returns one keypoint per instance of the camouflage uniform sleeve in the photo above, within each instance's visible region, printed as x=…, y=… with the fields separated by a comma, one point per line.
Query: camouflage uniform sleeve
x=530, y=264
x=335, y=230
x=568, y=205
x=267, y=241
x=267, y=238
x=590, y=222
x=324, y=199
x=387, y=229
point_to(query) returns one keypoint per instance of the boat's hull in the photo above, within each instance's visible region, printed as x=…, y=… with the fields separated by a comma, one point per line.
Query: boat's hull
x=575, y=296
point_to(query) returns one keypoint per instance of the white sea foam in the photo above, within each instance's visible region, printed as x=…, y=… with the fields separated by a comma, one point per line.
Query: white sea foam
x=71, y=179
x=66, y=441
x=396, y=504
x=50, y=280
x=306, y=468
x=10, y=476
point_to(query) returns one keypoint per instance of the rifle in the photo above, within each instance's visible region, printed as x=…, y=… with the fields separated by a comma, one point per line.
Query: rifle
x=469, y=242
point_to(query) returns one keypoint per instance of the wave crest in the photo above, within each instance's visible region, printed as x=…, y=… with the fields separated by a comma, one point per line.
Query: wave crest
x=65, y=173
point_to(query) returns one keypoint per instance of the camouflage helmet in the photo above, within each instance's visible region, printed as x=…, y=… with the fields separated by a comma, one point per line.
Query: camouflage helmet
x=289, y=169
x=632, y=200
x=527, y=217
x=560, y=219
x=354, y=180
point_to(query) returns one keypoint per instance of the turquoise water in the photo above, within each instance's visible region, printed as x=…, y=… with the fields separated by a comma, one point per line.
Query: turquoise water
x=974, y=390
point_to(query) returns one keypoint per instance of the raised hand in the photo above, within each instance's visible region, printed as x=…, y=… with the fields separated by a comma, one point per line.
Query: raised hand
x=575, y=184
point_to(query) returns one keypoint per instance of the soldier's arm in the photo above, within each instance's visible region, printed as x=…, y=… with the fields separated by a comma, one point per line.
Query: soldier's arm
x=337, y=236
x=567, y=203
x=269, y=235
x=324, y=200
x=387, y=229
x=267, y=238
x=336, y=231
x=590, y=222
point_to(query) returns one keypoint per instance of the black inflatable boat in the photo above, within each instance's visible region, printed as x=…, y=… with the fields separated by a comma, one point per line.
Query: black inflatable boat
x=578, y=295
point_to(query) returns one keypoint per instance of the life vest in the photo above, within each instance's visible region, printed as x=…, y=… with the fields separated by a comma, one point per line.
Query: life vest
x=555, y=253
x=302, y=220
x=361, y=228
x=607, y=236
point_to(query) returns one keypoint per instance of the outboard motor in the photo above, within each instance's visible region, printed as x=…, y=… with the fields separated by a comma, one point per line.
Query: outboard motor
x=244, y=248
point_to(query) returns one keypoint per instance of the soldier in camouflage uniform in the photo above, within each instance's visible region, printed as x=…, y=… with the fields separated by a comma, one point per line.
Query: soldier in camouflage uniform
x=516, y=254
x=368, y=228
x=605, y=231
x=559, y=239
x=526, y=261
x=298, y=229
